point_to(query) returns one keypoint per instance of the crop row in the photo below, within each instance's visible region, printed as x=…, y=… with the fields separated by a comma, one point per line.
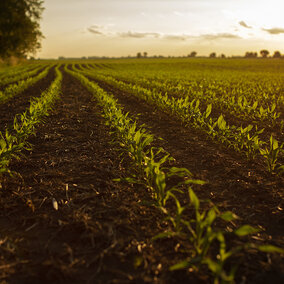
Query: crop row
x=242, y=139
x=188, y=221
x=12, y=142
x=18, y=77
x=241, y=98
x=13, y=89
x=10, y=72
x=266, y=86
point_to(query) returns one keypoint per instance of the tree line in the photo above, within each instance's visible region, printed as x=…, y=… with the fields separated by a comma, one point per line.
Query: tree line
x=264, y=53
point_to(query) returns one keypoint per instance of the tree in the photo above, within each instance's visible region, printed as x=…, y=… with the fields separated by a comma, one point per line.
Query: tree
x=264, y=53
x=251, y=54
x=212, y=55
x=145, y=54
x=192, y=54
x=223, y=55
x=139, y=55
x=19, y=27
x=277, y=54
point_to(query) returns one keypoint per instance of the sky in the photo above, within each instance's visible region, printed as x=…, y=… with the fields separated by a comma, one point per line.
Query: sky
x=77, y=28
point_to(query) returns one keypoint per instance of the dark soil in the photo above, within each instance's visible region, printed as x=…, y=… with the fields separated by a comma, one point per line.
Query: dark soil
x=21, y=102
x=101, y=232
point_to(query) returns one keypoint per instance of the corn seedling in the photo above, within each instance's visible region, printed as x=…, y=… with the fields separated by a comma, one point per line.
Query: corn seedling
x=271, y=154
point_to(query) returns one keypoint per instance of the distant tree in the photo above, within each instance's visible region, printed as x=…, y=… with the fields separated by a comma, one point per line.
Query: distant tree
x=212, y=55
x=19, y=27
x=192, y=54
x=223, y=55
x=277, y=54
x=264, y=53
x=145, y=54
x=251, y=54
x=139, y=55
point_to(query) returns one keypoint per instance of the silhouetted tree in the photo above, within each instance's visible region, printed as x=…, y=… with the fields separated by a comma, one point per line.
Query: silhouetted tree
x=139, y=55
x=192, y=54
x=19, y=27
x=145, y=54
x=277, y=54
x=212, y=55
x=223, y=55
x=251, y=54
x=264, y=53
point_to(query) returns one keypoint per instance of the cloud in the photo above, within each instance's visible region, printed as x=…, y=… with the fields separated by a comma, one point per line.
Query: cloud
x=274, y=31
x=95, y=30
x=138, y=34
x=175, y=37
x=243, y=24
x=101, y=30
x=220, y=36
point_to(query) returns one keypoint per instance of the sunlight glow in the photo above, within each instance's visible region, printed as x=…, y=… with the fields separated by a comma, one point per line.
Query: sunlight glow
x=168, y=27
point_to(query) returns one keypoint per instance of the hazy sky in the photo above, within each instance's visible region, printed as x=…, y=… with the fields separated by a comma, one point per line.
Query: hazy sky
x=166, y=27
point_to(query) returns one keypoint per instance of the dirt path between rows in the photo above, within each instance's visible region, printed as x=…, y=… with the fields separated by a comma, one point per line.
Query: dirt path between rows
x=234, y=184
x=21, y=102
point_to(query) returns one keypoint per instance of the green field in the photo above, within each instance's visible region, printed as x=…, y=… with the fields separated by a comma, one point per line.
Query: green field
x=142, y=170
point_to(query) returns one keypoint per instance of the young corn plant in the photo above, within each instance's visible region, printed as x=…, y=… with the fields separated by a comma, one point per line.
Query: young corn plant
x=9, y=148
x=202, y=234
x=247, y=142
x=271, y=155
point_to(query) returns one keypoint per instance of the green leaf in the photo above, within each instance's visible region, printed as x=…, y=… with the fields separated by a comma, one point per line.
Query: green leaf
x=129, y=180
x=245, y=230
x=228, y=216
x=164, y=235
x=194, y=199
x=212, y=265
x=275, y=144
x=195, y=181
x=181, y=265
x=270, y=248
x=249, y=128
x=2, y=143
x=179, y=172
x=280, y=169
x=211, y=216
x=208, y=110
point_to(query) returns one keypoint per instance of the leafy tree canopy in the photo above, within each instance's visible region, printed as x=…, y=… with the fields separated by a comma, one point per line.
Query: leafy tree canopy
x=264, y=53
x=19, y=27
